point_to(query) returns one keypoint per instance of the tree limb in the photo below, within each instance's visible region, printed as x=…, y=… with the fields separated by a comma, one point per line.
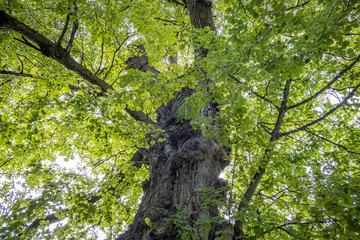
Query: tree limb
x=297, y=6
x=50, y=49
x=26, y=42
x=64, y=30
x=16, y=73
x=265, y=99
x=339, y=75
x=51, y=218
x=351, y=94
x=175, y=2
x=238, y=226
x=332, y=142
x=72, y=36
x=61, y=55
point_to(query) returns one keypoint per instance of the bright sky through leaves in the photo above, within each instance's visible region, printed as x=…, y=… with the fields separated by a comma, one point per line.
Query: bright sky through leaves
x=114, y=86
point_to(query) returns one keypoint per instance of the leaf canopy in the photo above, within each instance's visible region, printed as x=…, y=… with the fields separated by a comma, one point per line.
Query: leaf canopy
x=285, y=74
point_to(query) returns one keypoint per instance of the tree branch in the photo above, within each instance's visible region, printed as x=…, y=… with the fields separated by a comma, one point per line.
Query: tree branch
x=64, y=30
x=50, y=49
x=61, y=55
x=169, y=21
x=72, y=36
x=339, y=75
x=238, y=226
x=297, y=6
x=282, y=111
x=265, y=99
x=16, y=73
x=234, y=78
x=26, y=42
x=175, y=2
x=351, y=94
x=51, y=218
x=101, y=57
x=114, y=55
x=332, y=142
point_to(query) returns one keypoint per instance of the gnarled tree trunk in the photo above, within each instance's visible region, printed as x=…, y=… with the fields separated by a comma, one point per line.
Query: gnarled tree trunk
x=185, y=162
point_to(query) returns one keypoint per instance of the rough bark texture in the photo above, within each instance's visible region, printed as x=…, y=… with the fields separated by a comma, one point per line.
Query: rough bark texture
x=185, y=162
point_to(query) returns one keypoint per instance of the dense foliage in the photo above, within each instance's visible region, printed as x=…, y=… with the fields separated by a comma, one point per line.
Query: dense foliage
x=285, y=76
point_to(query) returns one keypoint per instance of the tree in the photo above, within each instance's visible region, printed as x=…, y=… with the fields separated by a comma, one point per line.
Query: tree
x=157, y=98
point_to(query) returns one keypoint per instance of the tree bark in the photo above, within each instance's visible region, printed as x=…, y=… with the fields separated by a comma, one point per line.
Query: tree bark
x=187, y=161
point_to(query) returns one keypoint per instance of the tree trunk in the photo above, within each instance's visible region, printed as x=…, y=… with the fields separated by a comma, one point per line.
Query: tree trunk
x=186, y=161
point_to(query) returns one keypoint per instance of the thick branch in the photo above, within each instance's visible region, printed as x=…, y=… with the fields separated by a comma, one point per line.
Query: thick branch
x=138, y=115
x=61, y=55
x=339, y=75
x=201, y=17
x=282, y=111
x=26, y=42
x=50, y=49
x=50, y=218
x=175, y=2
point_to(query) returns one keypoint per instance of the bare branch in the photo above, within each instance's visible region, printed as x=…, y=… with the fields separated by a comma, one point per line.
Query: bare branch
x=5, y=162
x=22, y=64
x=266, y=129
x=50, y=49
x=113, y=58
x=138, y=115
x=175, y=2
x=234, y=78
x=51, y=218
x=351, y=34
x=297, y=6
x=169, y=21
x=282, y=111
x=101, y=57
x=302, y=223
x=339, y=75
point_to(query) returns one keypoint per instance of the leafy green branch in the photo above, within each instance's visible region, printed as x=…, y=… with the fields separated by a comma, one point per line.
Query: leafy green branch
x=337, y=77
x=349, y=96
x=330, y=141
x=238, y=226
x=61, y=55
